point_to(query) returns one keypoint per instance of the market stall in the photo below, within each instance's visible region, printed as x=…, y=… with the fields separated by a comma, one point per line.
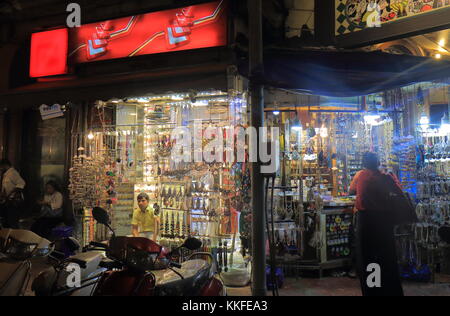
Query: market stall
x=128, y=148
x=321, y=150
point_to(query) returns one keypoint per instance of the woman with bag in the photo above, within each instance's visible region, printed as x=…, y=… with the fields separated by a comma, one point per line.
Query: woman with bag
x=380, y=205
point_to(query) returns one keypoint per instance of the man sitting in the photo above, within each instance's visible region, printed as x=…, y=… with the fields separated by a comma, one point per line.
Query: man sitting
x=51, y=212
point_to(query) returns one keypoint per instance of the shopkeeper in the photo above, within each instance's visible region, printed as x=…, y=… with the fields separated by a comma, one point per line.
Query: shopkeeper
x=145, y=222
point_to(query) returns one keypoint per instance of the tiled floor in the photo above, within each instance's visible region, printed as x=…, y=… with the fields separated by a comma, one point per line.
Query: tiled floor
x=343, y=286
x=313, y=286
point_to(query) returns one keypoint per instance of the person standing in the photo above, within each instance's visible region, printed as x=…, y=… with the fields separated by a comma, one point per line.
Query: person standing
x=145, y=221
x=11, y=194
x=374, y=231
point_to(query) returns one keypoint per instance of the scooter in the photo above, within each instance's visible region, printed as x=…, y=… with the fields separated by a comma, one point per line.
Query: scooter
x=148, y=269
x=18, y=247
x=54, y=281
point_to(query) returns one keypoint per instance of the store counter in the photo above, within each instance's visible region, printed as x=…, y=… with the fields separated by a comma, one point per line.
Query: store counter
x=335, y=248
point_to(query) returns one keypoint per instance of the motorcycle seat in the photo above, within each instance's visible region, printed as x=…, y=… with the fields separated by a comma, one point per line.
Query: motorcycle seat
x=92, y=259
x=195, y=273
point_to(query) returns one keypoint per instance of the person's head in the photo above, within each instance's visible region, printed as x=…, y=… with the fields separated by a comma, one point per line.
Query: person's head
x=143, y=200
x=5, y=164
x=370, y=161
x=51, y=187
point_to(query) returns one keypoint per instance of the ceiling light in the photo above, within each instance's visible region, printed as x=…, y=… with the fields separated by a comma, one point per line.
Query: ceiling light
x=372, y=118
x=445, y=124
x=297, y=125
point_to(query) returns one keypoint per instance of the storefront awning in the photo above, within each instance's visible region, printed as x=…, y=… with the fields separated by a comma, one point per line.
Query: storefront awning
x=120, y=86
x=346, y=73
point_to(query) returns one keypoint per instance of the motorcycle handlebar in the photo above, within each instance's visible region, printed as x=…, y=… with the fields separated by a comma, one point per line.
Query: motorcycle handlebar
x=98, y=244
x=175, y=264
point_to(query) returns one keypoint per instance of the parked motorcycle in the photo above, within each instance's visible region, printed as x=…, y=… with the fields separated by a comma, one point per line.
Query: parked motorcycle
x=147, y=269
x=53, y=281
x=18, y=247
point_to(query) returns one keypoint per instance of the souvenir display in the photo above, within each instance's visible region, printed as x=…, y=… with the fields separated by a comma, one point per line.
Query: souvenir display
x=311, y=211
x=403, y=160
x=136, y=155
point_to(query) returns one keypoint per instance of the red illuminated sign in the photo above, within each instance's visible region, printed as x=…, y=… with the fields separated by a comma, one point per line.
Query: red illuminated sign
x=192, y=27
x=49, y=53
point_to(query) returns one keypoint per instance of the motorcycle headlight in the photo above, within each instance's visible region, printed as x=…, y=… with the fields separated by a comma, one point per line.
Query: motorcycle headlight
x=141, y=260
x=18, y=250
x=2, y=244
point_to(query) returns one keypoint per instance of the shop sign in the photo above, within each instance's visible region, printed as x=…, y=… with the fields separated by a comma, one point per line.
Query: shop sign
x=193, y=27
x=356, y=15
x=49, y=53
x=49, y=112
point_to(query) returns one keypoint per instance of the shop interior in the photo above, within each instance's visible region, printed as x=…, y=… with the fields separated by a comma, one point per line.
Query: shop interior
x=125, y=149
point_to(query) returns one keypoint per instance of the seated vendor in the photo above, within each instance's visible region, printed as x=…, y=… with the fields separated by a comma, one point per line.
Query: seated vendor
x=145, y=222
x=50, y=211
x=51, y=204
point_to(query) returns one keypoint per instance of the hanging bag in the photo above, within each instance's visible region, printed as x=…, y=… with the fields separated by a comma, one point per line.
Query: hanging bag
x=392, y=199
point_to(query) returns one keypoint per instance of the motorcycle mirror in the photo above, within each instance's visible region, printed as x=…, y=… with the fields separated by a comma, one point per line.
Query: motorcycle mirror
x=192, y=243
x=100, y=215
x=72, y=244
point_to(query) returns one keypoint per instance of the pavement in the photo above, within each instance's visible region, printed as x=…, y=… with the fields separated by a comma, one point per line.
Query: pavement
x=314, y=286
x=344, y=286
x=310, y=285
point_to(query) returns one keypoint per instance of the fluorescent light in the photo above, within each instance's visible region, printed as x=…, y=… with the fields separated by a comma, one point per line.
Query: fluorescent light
x=324, y=132
x=424, y=121
x=445, y=129
x=445, y=125
x=143, y=100
x=115, y=100
x=372, y=119
x=297, y=125
x=276, y=113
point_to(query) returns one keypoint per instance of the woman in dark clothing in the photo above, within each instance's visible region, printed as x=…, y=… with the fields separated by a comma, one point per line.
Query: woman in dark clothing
x=375, y=242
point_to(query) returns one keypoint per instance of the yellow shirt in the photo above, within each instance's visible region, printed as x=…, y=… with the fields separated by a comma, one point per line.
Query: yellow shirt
x=144, y=220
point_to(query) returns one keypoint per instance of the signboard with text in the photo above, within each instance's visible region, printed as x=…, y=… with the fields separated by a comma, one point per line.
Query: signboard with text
x=193, y=27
